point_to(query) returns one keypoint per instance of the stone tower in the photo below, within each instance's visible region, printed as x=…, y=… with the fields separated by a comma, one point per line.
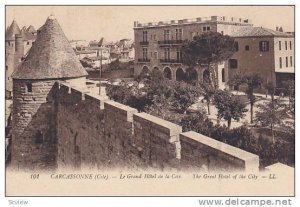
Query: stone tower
x=50, y=59
x=10, y=45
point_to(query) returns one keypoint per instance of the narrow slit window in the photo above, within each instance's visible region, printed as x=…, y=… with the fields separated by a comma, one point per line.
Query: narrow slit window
x=29, y=87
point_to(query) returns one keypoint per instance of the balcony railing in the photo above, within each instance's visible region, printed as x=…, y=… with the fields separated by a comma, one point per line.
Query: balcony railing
x=144, y=43
x=170, y=61
x=170, y=42
x=143, y=60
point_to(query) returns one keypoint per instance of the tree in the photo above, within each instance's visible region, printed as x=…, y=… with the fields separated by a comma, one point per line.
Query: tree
x=184, y=95
x=197, y=122
x=229, y=106
x=289, y=90
x=208, y=93
x=237, y=80
x=271, y=114
x=253, y=82
x=270, y=89
x=207, y=49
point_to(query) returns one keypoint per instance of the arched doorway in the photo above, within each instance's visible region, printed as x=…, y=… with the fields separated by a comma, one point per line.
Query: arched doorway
x=206, y=77
x=180, y=76
x=145, y=72
x=156, y=68
x=191, y=75
x=168, y=73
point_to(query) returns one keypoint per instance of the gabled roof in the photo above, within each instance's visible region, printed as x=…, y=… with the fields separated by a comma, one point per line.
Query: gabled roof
x=51, y=56
x=12, y=31
x=258, y=32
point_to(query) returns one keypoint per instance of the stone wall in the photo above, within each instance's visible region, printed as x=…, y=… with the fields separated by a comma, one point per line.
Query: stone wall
x=199, y=151
x=93, y=132
x=34, y=141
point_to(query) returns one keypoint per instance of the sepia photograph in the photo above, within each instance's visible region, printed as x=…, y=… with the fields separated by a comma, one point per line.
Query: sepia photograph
x=149, y=100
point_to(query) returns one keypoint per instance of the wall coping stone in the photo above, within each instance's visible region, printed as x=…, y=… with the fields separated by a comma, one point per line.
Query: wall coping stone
x=172, y=128
x=220, y=146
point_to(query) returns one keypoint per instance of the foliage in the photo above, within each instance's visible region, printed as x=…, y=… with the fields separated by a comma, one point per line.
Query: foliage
x=197, y=122
x=206, y=49
x=184, y=95
x=289, y=90
x=210, y=47
x=237, y=80
x=271, y=114
x=270, y=89
x=208, y=93
x=253, y=82
x=117, y=65
x=229, y=107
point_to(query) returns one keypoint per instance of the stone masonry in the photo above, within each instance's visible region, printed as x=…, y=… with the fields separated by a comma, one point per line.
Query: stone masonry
x=97, y=133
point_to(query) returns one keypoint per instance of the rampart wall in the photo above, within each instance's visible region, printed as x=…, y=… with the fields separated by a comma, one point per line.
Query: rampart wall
x=93, y=132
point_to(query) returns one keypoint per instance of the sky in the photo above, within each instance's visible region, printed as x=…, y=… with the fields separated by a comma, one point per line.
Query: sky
x=116, y=22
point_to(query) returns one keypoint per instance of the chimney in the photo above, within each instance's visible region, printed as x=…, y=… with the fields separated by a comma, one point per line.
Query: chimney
x=280, y=29
x=277, y=28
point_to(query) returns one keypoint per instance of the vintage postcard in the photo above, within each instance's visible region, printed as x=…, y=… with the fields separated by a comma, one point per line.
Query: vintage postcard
x=150, y=100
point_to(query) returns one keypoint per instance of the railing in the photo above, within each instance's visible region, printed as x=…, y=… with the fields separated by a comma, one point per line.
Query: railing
x=170, y=42
x=170, y=61
x=144, y=43
x=143, y=60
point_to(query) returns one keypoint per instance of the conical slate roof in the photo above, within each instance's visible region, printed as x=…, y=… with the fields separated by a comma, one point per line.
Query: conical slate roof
x=51, y=56
x=12, y=30
x=31, y=29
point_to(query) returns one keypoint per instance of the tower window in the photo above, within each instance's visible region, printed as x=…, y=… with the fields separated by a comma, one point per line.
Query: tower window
x=28, y=43
x=39, y=137
x=6, y=67
x=29, y=87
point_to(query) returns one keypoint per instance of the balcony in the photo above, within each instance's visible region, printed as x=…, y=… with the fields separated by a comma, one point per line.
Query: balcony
x=170, y=61
x=170, y=42
x=143, y=60
x=144, y=43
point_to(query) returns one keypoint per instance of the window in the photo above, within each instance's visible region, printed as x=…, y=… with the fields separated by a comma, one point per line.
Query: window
x=166, y=34
x=290, y=45
x=28, y=42
x=247, y=48
x=155, y=55
x=223, y=75
x=264, y=46
x=179, y=55
x=167, y=53
x=39, y=137
x=145, y=36
x=145, y=55
x=291, y=61
x=279, y=45
x=280, y=62
x=285, y=45
x=236, y=46
x=154, y=37
x=6, y=67
x=233, y=63
x=286, y=62
x=29, y=87
x=178, y=34
x=206, y=28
